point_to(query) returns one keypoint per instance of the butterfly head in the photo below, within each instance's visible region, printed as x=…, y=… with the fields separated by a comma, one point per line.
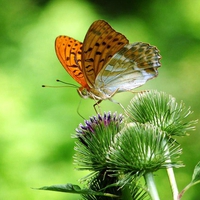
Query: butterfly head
x=83, y=92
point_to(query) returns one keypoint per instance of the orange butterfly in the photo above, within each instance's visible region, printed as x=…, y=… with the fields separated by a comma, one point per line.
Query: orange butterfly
x=105, y=63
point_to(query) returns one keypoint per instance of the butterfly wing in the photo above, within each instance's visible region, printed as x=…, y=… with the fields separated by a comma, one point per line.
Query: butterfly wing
x=100, y=44
x=68, y=51
x=129, y=68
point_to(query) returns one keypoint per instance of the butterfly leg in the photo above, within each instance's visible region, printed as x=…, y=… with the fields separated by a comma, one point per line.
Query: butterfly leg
x=136, y=92
x=97, y=104
x=117, y=103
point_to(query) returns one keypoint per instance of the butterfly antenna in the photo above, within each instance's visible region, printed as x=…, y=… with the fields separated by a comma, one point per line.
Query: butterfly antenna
x=61, y=86
x=53, y=86
x=68, y=84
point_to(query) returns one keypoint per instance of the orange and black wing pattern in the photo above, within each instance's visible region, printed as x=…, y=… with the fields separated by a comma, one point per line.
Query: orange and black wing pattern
x=68, y=51
x=100, y=44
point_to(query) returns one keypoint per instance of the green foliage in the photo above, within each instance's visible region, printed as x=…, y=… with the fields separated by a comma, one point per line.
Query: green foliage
x=36, y=123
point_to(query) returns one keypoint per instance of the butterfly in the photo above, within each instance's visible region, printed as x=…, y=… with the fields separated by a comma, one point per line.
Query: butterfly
x=105, y=63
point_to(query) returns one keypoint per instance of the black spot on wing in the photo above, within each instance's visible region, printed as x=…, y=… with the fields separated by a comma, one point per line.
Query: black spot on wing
x=89, y=60
x=89, y=68
x=90, y=49
x=108, y=46
x=115, y=39
x=98, y=53
x=120, y=43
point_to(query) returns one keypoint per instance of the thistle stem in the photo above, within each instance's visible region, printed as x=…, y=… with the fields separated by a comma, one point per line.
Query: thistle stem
x=151, y=186
x=172, y=181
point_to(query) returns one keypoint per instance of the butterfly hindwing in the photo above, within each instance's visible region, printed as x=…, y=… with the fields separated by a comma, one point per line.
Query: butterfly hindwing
x=130, y=68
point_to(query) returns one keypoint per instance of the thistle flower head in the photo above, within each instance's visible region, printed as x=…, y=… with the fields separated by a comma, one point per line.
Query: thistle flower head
x=140, y=148
x=94, y=138
x=162, y=111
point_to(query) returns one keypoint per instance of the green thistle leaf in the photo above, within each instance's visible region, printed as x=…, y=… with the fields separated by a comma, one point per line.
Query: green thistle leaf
x=107, y=183
x=195, y=180
x=70, y=188
x=196, y=174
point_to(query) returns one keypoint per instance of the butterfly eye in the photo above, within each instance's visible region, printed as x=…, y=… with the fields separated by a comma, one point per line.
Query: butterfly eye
x=83, y=92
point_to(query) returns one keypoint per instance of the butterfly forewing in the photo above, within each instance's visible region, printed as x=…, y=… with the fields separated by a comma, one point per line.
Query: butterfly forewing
x=68, y=51
x=129, y=68
x=100, y=44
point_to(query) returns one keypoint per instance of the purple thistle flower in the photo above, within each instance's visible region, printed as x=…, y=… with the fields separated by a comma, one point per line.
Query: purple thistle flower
x=97, y=123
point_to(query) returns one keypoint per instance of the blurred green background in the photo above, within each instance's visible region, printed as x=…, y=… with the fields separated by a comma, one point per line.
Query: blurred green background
x=36, y=123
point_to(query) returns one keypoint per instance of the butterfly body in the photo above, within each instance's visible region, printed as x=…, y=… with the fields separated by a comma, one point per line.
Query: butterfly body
x=105, y=63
